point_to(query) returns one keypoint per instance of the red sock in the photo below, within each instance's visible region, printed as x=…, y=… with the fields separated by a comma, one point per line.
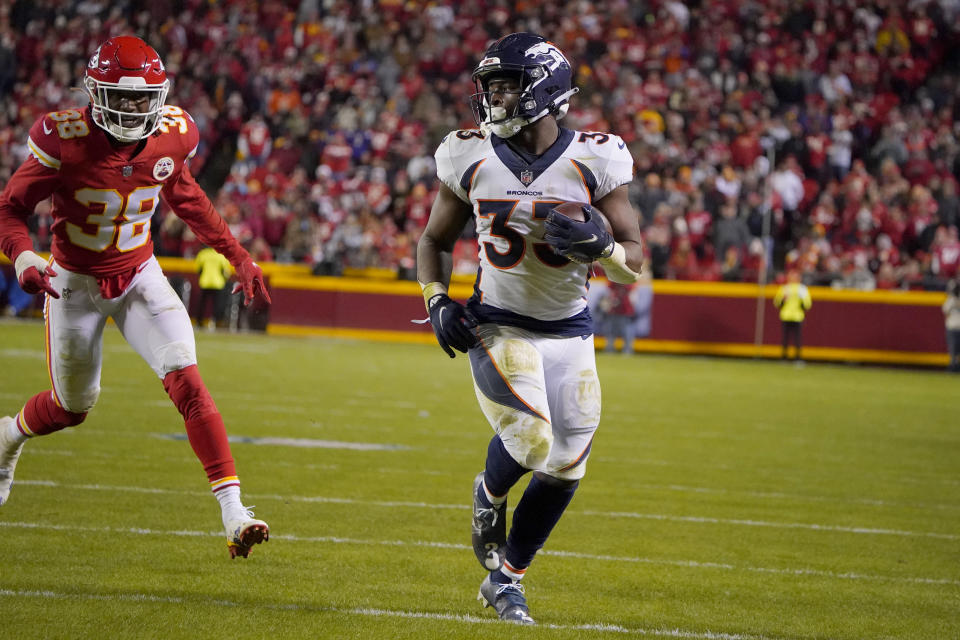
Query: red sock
x=205, y=429
x=42, y=415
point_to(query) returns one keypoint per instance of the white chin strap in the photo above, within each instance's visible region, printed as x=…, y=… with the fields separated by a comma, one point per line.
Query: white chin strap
x=122, y=133
x=507, y=128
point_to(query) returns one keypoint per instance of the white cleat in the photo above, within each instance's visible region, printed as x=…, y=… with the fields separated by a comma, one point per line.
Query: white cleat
x=9, y=454
x=244, y=532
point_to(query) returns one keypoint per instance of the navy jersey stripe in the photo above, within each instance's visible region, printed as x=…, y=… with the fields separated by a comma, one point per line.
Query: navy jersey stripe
x=466, y=180
x=589, y=179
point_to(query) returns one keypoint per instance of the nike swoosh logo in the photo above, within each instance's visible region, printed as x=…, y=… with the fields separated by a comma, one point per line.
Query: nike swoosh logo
x=45, y=130
x=592, y=238
x=621, y=145
x=441, y=317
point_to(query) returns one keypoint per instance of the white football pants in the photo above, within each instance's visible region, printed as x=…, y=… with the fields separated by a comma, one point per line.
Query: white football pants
x=540, y=394
x=149, y=314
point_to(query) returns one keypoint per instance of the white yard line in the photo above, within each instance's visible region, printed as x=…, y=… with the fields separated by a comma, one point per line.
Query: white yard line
x=766, y=495
x=859, y=530
x=776, y=525
x=28, y=354
x=692, y=564
x=373, y=613
x=779, y=495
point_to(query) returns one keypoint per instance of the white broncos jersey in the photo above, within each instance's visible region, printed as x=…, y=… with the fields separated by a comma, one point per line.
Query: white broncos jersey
x=521, y=280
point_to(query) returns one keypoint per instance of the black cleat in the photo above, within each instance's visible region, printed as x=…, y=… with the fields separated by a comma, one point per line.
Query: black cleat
x=489, y=529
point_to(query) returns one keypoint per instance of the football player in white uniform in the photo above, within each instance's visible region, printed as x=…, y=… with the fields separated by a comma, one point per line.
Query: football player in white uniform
x=527, y=329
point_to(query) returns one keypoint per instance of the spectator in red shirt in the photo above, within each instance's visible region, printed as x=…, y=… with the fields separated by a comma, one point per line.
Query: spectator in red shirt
x=745, y=148
x=619, y=313
x=254, y=142
x=683, y=264
x=337, y=155
x=946, y=253
x=699, y=226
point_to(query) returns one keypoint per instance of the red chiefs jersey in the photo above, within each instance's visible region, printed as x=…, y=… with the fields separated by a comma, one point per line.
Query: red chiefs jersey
x=947, y=257
x=104, y=193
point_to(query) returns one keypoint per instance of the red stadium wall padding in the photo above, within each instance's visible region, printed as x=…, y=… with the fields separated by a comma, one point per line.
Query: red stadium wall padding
x=852, y=323
x=346, y=309
x=830, y=323
x=686, y=313
x=911, y=323
x=902, y=327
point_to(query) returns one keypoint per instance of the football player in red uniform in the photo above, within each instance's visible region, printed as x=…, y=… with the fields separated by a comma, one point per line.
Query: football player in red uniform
x=105, y=167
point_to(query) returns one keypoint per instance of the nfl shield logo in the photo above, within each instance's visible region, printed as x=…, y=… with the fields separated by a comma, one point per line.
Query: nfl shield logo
x=526, y=177
x=127, y=171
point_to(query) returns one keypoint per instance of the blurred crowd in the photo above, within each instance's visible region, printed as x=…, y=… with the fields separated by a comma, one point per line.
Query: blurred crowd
x=769, y=135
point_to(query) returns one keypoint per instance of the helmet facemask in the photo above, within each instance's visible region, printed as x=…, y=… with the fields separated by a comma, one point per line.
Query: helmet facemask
x=108, y=98
x=534, y=80
x=496, y=119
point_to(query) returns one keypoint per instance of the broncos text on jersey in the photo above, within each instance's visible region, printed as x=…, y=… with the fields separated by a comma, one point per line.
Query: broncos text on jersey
x=521, y=280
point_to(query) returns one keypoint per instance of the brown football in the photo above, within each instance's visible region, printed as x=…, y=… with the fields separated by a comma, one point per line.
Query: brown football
x=574, y=211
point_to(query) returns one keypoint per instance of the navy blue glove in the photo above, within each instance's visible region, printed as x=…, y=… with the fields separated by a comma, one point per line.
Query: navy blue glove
x=581, y=242
x=451, y=324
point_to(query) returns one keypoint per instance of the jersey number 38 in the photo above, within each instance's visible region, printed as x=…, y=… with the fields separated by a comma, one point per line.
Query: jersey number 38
x=123, y=221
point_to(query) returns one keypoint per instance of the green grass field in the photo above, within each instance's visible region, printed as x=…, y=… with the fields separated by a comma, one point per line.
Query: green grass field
x=725, y=499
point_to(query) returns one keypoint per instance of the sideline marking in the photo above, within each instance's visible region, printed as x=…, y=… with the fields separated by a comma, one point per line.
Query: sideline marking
x=691, y=564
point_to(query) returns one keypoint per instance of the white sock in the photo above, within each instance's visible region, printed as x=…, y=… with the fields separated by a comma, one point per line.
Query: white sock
x=14, y=434
x=230, y=505
x=494, y=500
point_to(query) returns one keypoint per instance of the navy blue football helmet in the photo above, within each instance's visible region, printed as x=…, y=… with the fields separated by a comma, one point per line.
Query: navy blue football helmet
x=545, y=77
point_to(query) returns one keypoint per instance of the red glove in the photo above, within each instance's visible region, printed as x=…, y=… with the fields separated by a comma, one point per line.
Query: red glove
x=33, y=274
x=251, y=282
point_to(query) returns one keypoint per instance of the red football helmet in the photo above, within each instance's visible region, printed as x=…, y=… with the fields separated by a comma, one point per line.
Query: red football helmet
x=127, y=85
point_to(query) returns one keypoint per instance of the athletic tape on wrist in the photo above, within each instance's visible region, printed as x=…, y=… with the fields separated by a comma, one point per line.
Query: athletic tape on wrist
x=28, y=259
x=616, y=266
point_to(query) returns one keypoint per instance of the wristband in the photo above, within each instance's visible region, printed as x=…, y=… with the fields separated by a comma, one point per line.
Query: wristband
x=431, y=289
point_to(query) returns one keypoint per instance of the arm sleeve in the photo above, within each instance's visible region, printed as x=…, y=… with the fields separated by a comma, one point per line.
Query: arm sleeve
x=30, y=184
x=192, y=205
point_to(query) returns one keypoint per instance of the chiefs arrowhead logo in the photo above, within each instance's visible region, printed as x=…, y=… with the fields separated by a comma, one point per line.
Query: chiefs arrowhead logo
x=163, y=169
